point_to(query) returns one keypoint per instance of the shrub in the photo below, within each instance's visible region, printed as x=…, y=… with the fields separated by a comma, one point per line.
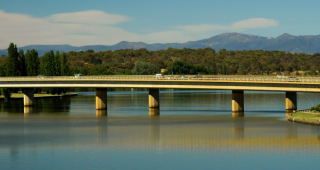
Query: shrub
x=316, y=108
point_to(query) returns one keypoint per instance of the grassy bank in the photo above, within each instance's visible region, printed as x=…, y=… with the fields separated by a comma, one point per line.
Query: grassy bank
x=305, y=117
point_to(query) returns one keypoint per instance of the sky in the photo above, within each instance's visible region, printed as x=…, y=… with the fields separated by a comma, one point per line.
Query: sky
x=107, y=22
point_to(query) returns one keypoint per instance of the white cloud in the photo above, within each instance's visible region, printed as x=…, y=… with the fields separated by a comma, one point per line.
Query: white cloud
x=97, y=27
x=254, y=23
x=251, y=23
x=56, y=29
x=89, y=17
x=170, y=36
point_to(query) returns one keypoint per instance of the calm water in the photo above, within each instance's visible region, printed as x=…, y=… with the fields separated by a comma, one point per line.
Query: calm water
x=195, y=131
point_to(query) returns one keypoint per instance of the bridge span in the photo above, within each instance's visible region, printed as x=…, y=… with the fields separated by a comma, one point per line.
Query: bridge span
x=238, y=84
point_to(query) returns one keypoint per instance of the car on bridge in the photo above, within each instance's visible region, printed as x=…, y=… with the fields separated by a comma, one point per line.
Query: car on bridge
x=78, y=75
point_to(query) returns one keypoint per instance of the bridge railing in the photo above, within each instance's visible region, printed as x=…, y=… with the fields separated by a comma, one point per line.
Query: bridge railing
x=169, y=77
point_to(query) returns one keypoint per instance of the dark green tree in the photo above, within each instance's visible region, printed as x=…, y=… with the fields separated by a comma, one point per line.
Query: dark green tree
x=12, y=66
x=179, y=67
x=144, y=68
x=48, y=64
x=64, y=65
x=15, y=66
x=32, y=62
x=22, y=64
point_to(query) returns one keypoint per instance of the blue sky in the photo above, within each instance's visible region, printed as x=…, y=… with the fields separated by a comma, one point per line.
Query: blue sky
x=110, y=21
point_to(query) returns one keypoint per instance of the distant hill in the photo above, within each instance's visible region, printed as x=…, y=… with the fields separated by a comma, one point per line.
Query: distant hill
x=230, y=41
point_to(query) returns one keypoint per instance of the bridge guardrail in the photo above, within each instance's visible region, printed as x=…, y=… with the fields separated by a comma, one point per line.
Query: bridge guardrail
x=168, y=77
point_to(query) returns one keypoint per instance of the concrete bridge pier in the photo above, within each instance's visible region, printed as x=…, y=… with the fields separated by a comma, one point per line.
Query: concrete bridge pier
x=237, y=103
x=28, y=98
x=101, y=99
x=291, y=101
x=154, y=98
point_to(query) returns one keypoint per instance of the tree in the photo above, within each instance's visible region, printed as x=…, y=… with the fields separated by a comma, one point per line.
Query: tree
x=22, y=64
x=64, y=65
x=15, y=66
x=12, y=65
x=49, y=65
x=179, y=67
x=144, y=68
x=32, y=62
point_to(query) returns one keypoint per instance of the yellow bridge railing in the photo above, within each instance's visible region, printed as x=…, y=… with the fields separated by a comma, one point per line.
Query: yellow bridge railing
x=248, y=78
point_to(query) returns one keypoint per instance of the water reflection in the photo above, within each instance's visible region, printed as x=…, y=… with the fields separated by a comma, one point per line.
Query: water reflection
x=27, y=110
x=196, y=125
x=11, y=106
x=154, y=112
x=101, y=113
x=189, y=133
x=59, y=105
x=238, y=128
x=124, y=138
x=237, y=114
x=41, y=106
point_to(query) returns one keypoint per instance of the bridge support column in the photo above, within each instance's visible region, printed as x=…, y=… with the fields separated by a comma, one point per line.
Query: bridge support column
x=28, y=98
x=101, y=99
x=237, y=103
x=154, y=98
x=291, y=101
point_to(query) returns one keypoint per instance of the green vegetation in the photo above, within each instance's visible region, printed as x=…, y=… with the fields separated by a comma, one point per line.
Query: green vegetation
x=316, y=108
x=305, y=115
x=310, y=117
x=29, y=64
x=179, y=67
x=144, y=68
x=194, y=61
x=142, y=61
x=32, y=63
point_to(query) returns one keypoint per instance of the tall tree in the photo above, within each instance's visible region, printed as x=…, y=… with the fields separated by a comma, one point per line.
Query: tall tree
x=32, y=62
x=57, y=64
x=13, y=61
x=48, y=64
x=22, y=64
x=64, y=66
x=144, y=68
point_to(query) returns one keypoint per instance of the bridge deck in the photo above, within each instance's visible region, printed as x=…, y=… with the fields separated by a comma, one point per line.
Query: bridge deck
x=260, y=83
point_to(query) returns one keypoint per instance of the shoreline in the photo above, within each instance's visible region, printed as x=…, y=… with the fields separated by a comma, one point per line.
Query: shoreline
x=305, y=116
x=40, y=95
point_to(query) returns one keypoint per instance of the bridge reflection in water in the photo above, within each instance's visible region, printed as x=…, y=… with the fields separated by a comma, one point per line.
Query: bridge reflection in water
x=194, y=134
x=190, y=133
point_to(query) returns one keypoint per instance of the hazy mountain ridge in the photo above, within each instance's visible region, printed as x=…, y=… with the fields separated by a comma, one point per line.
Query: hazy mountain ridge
x=230, y=41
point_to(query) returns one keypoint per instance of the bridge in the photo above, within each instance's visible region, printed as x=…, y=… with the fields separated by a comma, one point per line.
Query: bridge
x=238, y=84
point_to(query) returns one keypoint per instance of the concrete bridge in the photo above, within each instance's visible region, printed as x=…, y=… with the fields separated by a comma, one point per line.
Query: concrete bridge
x=238, y=84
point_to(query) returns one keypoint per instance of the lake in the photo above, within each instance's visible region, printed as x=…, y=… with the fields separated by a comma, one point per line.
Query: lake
x=195, y=130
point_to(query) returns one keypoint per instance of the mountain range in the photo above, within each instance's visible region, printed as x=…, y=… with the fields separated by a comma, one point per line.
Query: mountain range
x=229, y=41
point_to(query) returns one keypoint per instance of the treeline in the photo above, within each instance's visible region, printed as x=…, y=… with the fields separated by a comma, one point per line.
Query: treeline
x=28, y=63
x=171, y=61
x=193, y=61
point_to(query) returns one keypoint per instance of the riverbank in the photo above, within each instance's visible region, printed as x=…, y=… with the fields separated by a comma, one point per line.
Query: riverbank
x=308, y=117
x=40, y=95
